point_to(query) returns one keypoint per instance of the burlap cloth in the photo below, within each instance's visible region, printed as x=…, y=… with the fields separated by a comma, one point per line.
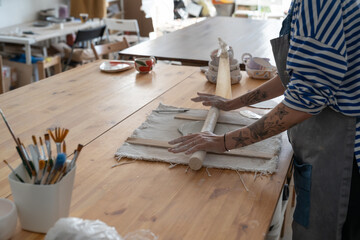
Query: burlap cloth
x=163, y=126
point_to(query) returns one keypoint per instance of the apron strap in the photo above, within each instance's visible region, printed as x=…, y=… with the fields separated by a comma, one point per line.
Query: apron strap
x=286, y=24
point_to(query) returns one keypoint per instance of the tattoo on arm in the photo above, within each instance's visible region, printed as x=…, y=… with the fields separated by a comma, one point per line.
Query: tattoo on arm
x=240, y=140
x=269, y=125
x=255, y=97
x=281, y=112
x=266, y=127
x=278, y=120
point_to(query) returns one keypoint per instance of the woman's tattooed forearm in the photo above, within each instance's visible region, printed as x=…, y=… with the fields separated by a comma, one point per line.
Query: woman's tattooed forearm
x=281, y=112
x=265, y=127
x=255, y=97
x=240, y=140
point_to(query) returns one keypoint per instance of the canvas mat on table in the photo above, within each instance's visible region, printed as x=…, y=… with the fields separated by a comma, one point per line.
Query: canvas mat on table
x=163, y=126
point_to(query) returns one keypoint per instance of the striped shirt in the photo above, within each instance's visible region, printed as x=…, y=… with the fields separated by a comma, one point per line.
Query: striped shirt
x=324, y=59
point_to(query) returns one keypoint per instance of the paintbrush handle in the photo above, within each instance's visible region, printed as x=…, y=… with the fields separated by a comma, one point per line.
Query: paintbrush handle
x=18, y=177
x=8, y=126
x=56, y=177
x=43, y=156
x=45, y=177
x=48, y=148
x=24, y=161
x=58, y=147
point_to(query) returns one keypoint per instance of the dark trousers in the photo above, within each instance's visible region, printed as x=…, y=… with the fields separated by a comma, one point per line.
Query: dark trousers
x=351, y=228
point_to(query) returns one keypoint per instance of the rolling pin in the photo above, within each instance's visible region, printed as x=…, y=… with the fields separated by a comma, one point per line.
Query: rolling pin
x=223, y=89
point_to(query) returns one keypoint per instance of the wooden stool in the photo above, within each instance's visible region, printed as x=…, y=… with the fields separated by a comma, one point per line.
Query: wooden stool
x=47, y=63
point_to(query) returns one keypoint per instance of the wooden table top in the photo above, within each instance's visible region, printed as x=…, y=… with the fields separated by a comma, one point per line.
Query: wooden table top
x=192, y=45
x=102, y=110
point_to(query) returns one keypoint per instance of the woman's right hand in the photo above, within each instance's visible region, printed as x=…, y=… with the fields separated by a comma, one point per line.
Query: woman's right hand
x=213, y=101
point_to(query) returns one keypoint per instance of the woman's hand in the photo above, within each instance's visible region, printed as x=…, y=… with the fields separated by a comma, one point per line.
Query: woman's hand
x=213, y=101
x=191, y=143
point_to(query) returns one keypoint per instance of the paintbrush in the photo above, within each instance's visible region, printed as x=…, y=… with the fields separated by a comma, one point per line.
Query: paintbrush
x=34, y=156
x=18, y=177
x=40, y=174
x=24, y=161
x=25, y=157
x=8, y=126
x=48, y=145
x=64, y=171
x=23, y=149
x=76, y=155
x=36, y=147
x=59, y=164
x=18, y=146
x=33, y=171
x=64, y=147
x=43, y=155
x=58, y=137
x=48, y=171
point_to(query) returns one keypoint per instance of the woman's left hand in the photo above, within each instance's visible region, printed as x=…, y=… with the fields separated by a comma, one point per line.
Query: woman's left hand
x=203, y=141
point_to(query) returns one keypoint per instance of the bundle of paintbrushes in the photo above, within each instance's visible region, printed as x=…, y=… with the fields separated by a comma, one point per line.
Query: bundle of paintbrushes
x=44, y=167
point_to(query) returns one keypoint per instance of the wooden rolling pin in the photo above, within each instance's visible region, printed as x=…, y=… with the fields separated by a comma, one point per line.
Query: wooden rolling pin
x=223, y=89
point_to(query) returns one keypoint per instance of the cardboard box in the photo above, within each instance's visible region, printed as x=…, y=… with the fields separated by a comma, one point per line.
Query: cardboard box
x=9, y=78
x=24, y=72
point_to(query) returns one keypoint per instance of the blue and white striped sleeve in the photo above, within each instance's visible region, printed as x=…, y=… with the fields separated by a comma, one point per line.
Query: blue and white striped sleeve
x=317, y=55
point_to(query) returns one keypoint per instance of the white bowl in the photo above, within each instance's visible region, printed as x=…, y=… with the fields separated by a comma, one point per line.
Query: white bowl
x=234, y=64
x=8, y=218
x=235, y=76
x=261, y=74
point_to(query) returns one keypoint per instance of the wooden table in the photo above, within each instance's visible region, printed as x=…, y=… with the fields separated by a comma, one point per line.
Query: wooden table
x=192, y=45
x=14, y=34
x=102, y=110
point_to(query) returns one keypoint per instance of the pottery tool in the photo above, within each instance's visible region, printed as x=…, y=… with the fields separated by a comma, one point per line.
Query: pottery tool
x=223, y=89
x=59, y=164
x=18, y=177
x=58, y=137
x=170, y=110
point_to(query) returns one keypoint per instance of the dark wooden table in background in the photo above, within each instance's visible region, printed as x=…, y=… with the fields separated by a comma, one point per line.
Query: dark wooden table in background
x=192, y=45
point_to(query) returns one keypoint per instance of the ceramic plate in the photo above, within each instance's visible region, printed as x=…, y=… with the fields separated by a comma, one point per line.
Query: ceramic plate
x=115, y=66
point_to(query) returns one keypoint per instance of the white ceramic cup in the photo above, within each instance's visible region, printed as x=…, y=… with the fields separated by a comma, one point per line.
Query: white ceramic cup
x=8, y=218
